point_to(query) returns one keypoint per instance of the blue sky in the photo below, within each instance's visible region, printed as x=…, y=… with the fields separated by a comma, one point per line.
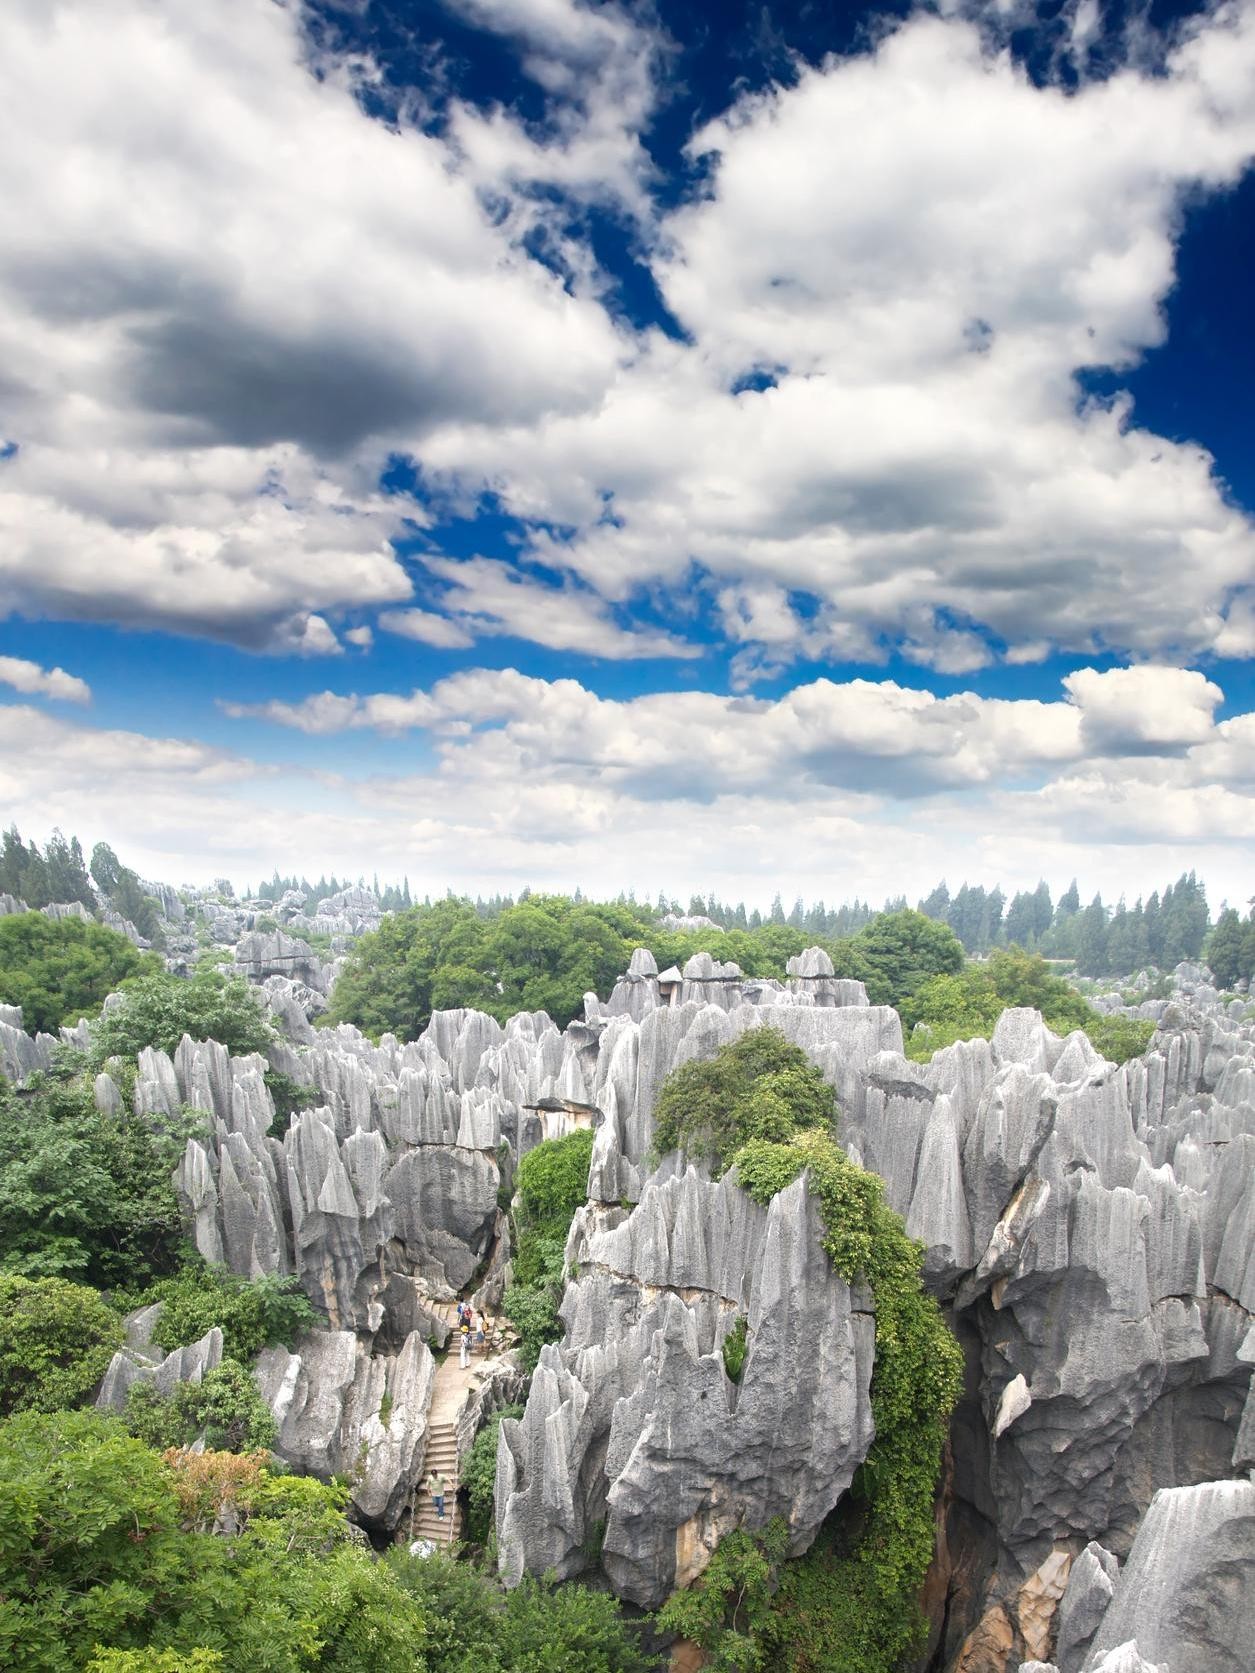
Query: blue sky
x=734, y=447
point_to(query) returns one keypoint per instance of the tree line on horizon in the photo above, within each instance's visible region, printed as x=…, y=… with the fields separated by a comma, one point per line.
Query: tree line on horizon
x=59, y=876
x=1163, y=929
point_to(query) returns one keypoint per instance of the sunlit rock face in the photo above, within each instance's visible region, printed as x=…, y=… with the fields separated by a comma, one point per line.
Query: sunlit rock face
x=634, y=1423
x=342, y=1411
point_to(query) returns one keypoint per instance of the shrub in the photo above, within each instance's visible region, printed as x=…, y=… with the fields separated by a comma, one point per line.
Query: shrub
x=963, y=1005
x=56, y=1341
x=93, y=1560
x=158, y=1010
x=251, y=1313
x=757, y=1087
x=155, y=1661
x=225, y=1407
x=1120, y=1038
x=553, y=1178
x=479, y=1475
x=553, y=1184
x=290, y=1097
x=735, y=1347
x=60, y=969
x=86, y=1194
x=85, y=1511
x=727, y=1609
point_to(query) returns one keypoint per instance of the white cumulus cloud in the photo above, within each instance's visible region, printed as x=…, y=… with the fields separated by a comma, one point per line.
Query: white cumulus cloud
x=35, y=681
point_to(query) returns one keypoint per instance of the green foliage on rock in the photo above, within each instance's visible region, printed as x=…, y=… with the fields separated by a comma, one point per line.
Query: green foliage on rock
x=553, y=1178
x=225, y=1407
x=85, y=1194
x=158, y=1010
x=735, y=1348
x=552, y=1184
x=871, y=1619
x=472, y=1627
x=60, y=969
x=728, y=1610
x=1120, y=1038
x=758, y=1087
x=479, y=1475
x=968, y=1003
x=96, y=1556
x=56, y=1341
x=251, y=1313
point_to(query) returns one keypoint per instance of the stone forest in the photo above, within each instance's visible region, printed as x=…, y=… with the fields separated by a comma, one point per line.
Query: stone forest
x=840, y=1298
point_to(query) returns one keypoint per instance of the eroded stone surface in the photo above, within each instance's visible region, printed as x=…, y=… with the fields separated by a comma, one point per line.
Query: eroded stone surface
x=634, y=1421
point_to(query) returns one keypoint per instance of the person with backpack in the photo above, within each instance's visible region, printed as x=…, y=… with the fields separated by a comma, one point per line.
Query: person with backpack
x=464, y=1340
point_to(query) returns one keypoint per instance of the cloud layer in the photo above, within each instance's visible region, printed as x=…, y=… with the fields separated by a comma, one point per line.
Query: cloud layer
x=831, y=790
x=228, y=296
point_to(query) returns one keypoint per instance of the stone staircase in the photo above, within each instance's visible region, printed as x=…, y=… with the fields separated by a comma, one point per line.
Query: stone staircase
x=441, y=1459
x=448, y=1391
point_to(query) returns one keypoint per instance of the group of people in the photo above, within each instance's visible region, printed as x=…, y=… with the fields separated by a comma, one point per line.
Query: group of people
x=472, y=1332
x=472, y=1328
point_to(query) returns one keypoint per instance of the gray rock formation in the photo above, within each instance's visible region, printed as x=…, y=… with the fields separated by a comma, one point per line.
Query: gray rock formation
x=1091, y=1586
x=261, y=954
x=1090, y=1230
x=1186, y=1596
x=634, y=1422
x=342, y=1411
x=141, y=1361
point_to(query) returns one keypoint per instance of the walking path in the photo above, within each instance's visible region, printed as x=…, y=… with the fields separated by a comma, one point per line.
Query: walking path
x=448, y=1392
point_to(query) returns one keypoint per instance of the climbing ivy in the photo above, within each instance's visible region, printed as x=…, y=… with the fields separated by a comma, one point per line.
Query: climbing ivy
x=850, y=1605
x=728, y=1610
x=553, y=1183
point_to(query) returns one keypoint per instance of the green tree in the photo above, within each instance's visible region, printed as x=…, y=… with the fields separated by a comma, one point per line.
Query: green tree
x=60, y=969
x=159, y=1009
x=252, y=1313
x=553, y=1179
x=225, y=1407
x=727, y=1610
x=56, y=1341
x=1224, y=949
x=553, y=1183
x=479, y=1475
x=96, y=1555
x=758, y=1086
x=86, y=1193
x=901, y=950
x=1119, y=1038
